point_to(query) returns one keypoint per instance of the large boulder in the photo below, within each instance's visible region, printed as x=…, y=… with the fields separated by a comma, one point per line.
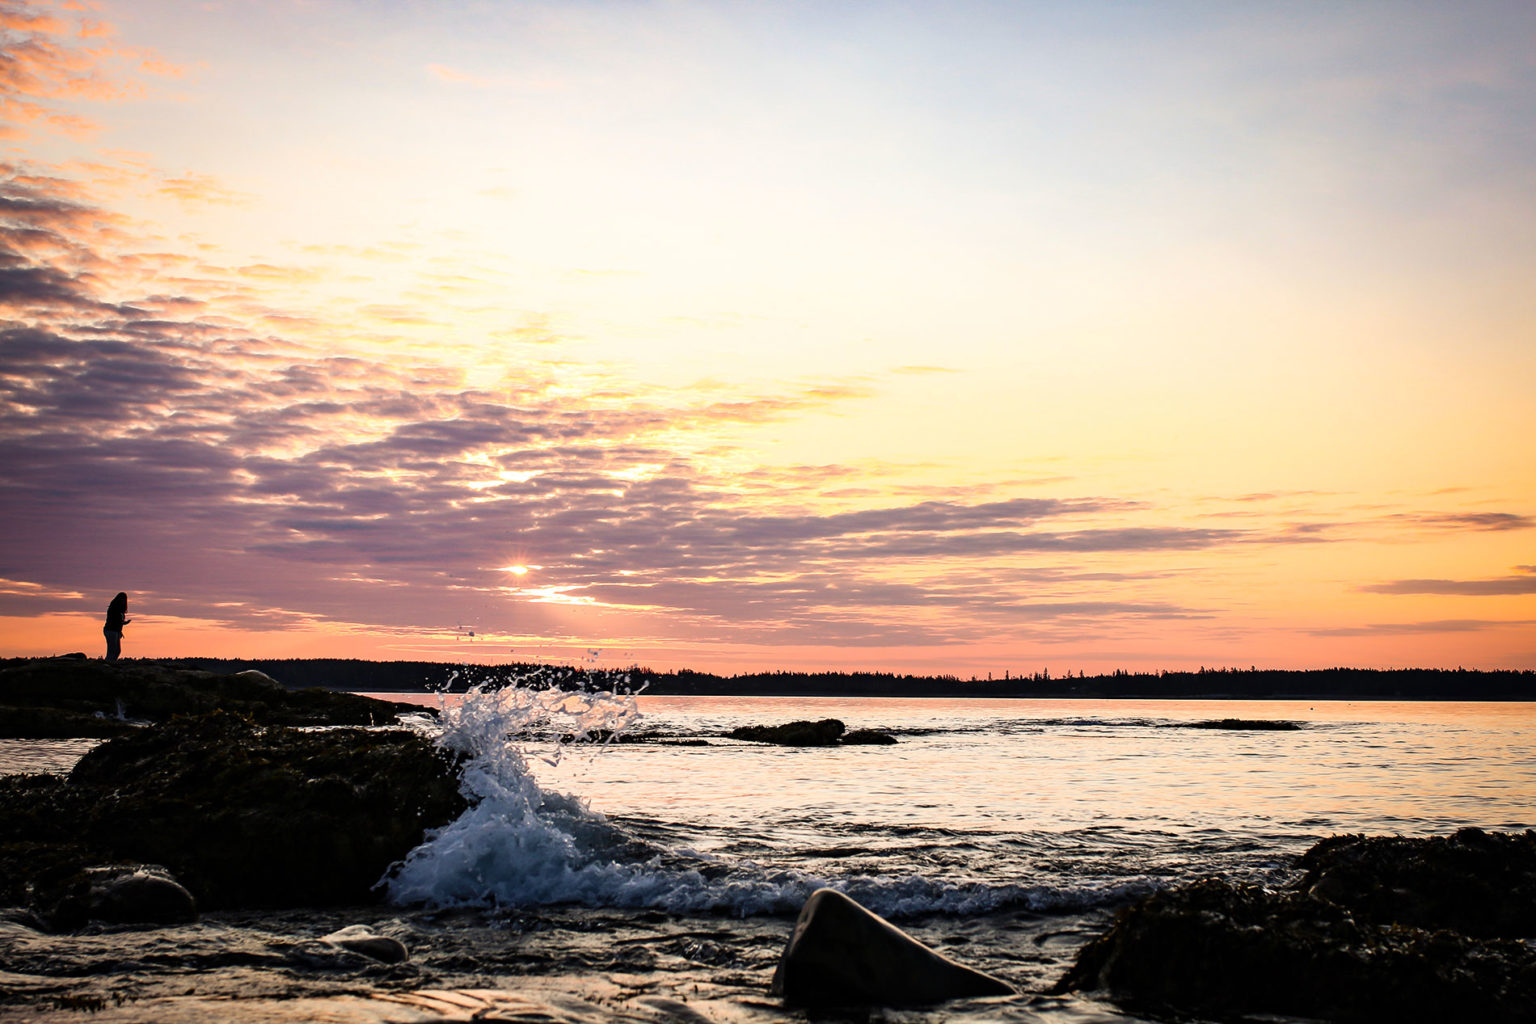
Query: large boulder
x=843, y=955
x=243, y=815
x=1386, y=929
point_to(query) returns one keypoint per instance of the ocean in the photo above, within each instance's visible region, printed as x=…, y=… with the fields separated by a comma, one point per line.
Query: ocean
x=658, y=880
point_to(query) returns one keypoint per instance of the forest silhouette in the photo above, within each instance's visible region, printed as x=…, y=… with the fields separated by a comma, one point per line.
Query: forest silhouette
x=1249, y=683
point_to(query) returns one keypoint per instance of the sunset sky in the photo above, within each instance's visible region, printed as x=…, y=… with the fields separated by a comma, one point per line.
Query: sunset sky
x=955, y=337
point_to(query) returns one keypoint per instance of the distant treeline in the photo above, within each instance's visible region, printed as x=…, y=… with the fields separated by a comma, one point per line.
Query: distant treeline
x=1407, y=684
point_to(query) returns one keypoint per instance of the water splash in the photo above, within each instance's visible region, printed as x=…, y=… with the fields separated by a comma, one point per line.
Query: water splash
x=519, y=844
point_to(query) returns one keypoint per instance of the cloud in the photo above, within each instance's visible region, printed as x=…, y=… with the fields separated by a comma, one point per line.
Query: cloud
x=44, y=67
x=1479, y=521
x=454, y=76
x=167, y=428
x=1523, y=581
x=1422, y=628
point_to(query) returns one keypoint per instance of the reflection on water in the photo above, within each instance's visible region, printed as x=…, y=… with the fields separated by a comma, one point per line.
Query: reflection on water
x=1061, y=764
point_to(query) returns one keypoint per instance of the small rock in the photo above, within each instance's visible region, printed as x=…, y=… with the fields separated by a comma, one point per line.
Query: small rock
x=868, y=737
x=842, y=954
x=138, y=894
x=360, y=939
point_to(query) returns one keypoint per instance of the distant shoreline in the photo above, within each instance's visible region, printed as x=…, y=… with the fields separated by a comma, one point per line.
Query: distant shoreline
x=1207, y=684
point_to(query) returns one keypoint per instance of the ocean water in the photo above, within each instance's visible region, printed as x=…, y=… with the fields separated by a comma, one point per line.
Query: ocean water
x=651, y=880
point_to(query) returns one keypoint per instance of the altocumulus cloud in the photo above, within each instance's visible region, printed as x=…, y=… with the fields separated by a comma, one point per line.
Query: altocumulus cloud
x=245, y=478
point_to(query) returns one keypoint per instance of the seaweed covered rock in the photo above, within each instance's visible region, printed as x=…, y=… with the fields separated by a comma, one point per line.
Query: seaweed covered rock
x=82, y=697
x=843, y=955
x=1373, y=932
x=1479, y=883
x=242, y=815
x=793, y=734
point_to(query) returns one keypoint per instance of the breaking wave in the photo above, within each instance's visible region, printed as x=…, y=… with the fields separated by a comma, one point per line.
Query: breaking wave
x=519, y=844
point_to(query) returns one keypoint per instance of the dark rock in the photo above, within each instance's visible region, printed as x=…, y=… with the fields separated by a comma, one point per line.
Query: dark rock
x=793, y=734
x=74, y=697
x=38, y=723
x=361, y=939
x=868, y=737
x=1375, y=931
x=244, y=816
x=138, y=894
x=40, y=842
x=842, y=955
x=131, y=894
x=1479, y=883
x=1255, y=724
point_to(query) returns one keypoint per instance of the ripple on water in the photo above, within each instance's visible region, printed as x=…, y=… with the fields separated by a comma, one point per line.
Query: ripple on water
x=43, y=757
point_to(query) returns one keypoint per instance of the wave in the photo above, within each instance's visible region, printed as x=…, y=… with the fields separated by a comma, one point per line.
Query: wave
x=519, y=844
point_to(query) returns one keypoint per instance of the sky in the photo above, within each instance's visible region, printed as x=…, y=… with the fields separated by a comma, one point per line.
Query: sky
x=961, y=337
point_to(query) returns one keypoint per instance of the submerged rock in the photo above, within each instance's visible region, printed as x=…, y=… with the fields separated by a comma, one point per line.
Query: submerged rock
x=825, y=733
x=843, y=955
x=1385, y=929
x=244, y=816
x=81, y=697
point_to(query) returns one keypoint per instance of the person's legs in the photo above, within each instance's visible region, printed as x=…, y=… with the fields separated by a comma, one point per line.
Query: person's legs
x=114, y=643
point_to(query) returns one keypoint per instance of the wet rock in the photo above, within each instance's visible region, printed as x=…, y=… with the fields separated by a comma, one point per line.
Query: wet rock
x=1385, y=929
x=868, y=737
x=243, y=815
x=1248, y=724
x=1479, y=883
x=361, y=939
x=824, y=733
x=138, y=894
x=842, y=955
x=84, y=697
x=127, y=894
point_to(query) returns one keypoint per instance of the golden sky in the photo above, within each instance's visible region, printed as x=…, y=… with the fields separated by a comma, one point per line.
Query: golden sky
x=934, y=337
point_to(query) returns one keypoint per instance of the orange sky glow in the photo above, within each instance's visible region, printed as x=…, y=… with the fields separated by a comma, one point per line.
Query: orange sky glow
x=940, y=338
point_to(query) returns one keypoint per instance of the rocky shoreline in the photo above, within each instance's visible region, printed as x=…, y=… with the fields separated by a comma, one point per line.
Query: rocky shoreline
x=231, y=810
x=1376, y=929
x=243, y=815
x=79, y=696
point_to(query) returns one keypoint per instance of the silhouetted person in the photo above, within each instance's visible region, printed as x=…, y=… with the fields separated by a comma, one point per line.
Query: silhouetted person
x=117, y=618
